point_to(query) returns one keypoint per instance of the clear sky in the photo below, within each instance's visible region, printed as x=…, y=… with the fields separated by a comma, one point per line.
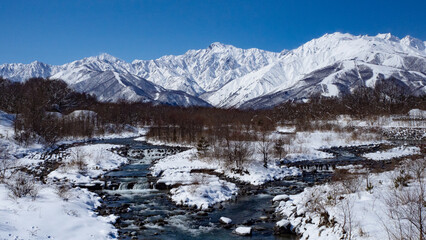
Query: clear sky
x=60, y=31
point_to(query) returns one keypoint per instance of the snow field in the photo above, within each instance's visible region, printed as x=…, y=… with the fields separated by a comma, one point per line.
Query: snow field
x=51, y=217
x=396, y=152
x=307, y=145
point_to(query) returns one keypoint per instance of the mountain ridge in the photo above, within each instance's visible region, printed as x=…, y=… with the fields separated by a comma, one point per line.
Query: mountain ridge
x=226, y=76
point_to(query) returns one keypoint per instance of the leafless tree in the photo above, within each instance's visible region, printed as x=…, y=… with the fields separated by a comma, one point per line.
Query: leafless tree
x=236, y=152
x=278, y=148
x=264, y=147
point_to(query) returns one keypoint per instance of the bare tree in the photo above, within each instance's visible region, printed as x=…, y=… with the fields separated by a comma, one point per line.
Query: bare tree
x=203, y=146
x=236, y=152
x=264, y=147
x=278, y=148
x=242, y=153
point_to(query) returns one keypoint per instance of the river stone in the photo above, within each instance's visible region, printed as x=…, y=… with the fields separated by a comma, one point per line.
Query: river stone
x=283, y=227
x=243, y=231
x=249, y=222
x=202, y=213
x=283, y=197
x=225, y=220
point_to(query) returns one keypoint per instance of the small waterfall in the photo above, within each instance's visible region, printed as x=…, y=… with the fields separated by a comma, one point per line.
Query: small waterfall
x=123, y=186
x=133, y=186
x=141, y=186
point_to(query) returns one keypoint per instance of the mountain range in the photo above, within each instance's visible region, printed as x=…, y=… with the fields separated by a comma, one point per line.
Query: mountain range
x=226, y=76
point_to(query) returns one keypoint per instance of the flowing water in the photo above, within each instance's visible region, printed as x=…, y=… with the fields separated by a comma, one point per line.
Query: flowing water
x=147, y=213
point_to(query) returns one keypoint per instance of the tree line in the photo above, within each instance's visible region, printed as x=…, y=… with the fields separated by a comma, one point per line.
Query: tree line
x=38, y=102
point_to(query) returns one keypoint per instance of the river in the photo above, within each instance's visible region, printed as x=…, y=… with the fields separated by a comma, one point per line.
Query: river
x=148, y=213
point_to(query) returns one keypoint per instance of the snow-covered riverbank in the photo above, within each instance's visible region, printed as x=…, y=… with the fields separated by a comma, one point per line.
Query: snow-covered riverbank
x=54, y=211
x=204, y=190
x=367, y=206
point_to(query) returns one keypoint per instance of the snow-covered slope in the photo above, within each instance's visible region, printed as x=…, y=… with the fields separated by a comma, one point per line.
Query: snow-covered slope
x=199, y=71
x=226, y=76
x=348, y=55
x=107, y=77
x=20, y=72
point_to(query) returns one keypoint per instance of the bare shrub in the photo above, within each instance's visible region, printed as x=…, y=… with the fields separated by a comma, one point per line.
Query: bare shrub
x=78, y=159
x=369, y=185
x=346, y=182
x=198, y=179
x=63, y=191
x=316, y=202
x=346, y=205
x=401, y=180
x=236, y=153
x=241, y=153
x=6, y=164
x=407, y=205
x=22, y=185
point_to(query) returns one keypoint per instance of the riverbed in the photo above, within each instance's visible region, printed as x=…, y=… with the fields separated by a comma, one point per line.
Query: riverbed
x=148, y=213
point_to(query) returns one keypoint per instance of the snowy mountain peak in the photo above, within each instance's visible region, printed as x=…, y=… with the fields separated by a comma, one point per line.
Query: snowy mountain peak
x=104, y=57
x=336, y=35
x=413, y=42
x=284, y=52
x=218, y=45
x=388, y=36
x=38, y=64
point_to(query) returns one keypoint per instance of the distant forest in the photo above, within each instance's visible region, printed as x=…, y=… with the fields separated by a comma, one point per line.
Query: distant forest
x=41, y=107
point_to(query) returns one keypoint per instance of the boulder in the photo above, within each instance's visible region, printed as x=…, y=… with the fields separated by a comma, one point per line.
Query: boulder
x=226, y=222
x=283, y=227
x=283, y=197
x=243, y=231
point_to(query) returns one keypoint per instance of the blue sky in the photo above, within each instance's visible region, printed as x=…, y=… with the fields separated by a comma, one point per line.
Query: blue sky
x=60, y=31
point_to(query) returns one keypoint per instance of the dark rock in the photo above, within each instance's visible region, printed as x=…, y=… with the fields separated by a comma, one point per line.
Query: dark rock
x=283, y=227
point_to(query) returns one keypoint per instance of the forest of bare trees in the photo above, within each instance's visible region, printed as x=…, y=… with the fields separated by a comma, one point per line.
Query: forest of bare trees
x=38, y=102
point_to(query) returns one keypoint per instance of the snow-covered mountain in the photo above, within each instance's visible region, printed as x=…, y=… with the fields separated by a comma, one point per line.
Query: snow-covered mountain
x=105, y=76
x=337, y=61
x=226, y=76
x=205, y=70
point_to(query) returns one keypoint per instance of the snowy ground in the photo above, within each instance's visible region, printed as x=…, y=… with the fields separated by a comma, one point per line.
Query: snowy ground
x=204, y=190
x=196, y=189
x=358, y=212
x=97, y=159
x=399, y=121
x=51, y=217
x=193, y=185
x=307, y=145
x=176, y=170
x=396, y=152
